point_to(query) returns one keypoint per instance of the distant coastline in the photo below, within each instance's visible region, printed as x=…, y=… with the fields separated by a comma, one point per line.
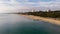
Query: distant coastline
x=50, y=20
x=48, y=16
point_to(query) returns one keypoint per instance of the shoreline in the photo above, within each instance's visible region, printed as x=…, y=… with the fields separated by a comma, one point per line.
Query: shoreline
x=50, y=20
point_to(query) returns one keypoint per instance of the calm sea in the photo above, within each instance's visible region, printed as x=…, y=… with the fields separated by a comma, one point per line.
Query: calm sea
x=17, y=24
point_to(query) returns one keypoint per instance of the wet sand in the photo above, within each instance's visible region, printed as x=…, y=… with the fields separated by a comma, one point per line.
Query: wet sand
x=50, y=20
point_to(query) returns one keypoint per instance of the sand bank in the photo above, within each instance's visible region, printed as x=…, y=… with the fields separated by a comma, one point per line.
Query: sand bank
x=50, y=20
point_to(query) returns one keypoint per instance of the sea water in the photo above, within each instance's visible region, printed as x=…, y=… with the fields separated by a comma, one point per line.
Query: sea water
x=18, y=24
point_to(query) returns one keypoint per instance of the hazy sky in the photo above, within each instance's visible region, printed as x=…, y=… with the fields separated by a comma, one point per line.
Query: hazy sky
x=19, y=5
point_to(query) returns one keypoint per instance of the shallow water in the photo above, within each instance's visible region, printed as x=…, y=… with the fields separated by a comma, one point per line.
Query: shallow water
x=16, y=24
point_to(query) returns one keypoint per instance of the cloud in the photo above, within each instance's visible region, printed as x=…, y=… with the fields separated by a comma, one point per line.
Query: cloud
x=45, y=4
x=53, y=5
x=18, y=5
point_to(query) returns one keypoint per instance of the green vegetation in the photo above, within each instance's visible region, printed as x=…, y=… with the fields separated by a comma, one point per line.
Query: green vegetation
x=51, y=14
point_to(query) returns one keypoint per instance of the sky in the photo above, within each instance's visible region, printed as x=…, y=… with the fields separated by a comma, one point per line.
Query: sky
x=27, y=5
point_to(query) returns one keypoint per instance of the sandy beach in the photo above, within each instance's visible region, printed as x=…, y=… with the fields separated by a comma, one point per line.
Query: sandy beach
x=50, y=20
